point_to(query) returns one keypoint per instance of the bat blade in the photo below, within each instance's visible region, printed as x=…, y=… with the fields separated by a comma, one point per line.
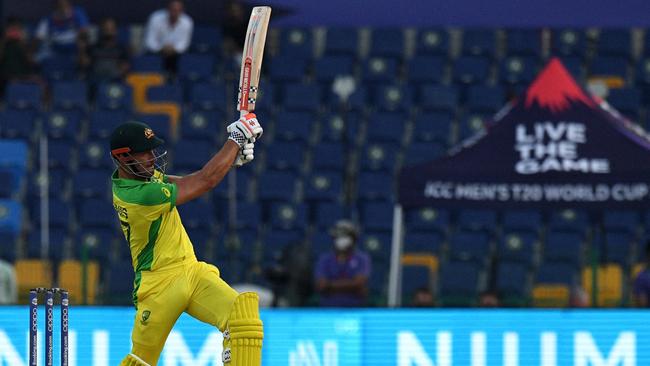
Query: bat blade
x=252, y=58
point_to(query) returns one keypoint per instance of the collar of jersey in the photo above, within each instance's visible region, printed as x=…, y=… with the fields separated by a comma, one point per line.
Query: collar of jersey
x=125, y=182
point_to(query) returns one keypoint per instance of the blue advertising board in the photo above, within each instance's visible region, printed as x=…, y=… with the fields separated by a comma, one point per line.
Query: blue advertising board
x=99, y=336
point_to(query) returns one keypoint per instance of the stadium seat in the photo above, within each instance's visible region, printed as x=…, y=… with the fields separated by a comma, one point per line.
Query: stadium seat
x=518, y=69
x=627, y=101
x=414, y=277
x=426, y=69
x=477, y=220
x=470, y=247
x=114, y=96
x=628, y=221
x=379, y=157
x=575, y=66
x=380, y=69
x=387, y=42
x=190, y=155
x=209, y=96
x=609, y=289
x=422, y=152
x=471, y=69
x=423, y=243
x=197, y=214
x=11, y=218
x=520, y=247
x=59, y=212
x=569, y=220
x=551, y=296
x=206, y=39
x=377, y=244
x=56, y=243
x=103, y=122
x=432, y=41
x=285, y=156
x=375, y=186
x=89, y=183
x=522, y=220
x=568, y=42
x=459, y=284
x=609, y=66
x=71, y=278
x=301, y=97
x=249, y=216
x=340, y=128
x=60, y=153
x=277, y=186
x=17, y=124
x=393, y=98
x=63, y=124
x=96, y=243
x=328, y=156
x=485, y=99
x=243, y=180
x=618, y=247
x=327, y=213
x=327, y=68
x=386, y=127
x=512, y=283
x=203, y=125
x=95, y=155
x=377, y=216
x=294, y=126
x=195, y=67
x=96, y=213
x=524, y=42
x=22, y=95
x=433, y=127
x=564, y=247
x=8, y=248
x=201, y=242
x=323, y=186
x=614, y=42
x=341, y=41
x=118, y=283
x=440, y=98
x=297, y=43
x=59, y=67
x=285, y=68
x=554, y=273
x=320, y=242
x=172, y=93
x=427, y=219
x=479, y=42
x=275, y=240
x=147, y=64
x=32, y=273
x=288, y=216
x=69, y=95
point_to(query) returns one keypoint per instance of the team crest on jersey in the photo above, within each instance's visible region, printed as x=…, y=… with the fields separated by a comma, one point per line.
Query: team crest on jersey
x=166, y=192
x=148, y=133
x=145, y=317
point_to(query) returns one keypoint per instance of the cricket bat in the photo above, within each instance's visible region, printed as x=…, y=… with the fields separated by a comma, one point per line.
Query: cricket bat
x=251, y=61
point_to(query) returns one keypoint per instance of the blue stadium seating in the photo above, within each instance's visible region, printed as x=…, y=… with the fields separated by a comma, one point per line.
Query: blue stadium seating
x=98, y=242
x=569, y=220
x=524, y=42
x=485, y=99
x=57, y=183
x=275, y=240
x=471, y=69
x=327, y=213
x=432, y=127
x=323, y=186
x=341, y=41
x=327, y=68
x=59, y=67
x=386, y=127
x=59, y=212
x=432, y=41
x=197, y=214
x=518, y=69
x=470, y=246
x=380, y=69
x=13, y=159
x=627, y=101
x=575, y=67
x=321, y=242
x=459, y=283
x=357, y=101
x=426, y=69
x=439, y=97
x=340, y=128
x=200, y=238
x=377, y=244
x=568, y=42
x=97, y=213
x=285, y=68
x=618, y=247
x=103, y=122
x=477, y=220
x=209, y=96
x=147, y=63
x=375, y=186
x=116, y=96
x=56, y=244
x=91, y=183
x=479, y=42
x=118, y=283
x=202, y=124
x=8, y=188
x=17, y=124
x=166, y=93
x=95, y=155
x=379, y=157
x=301, y=97
x=8, y=246
x=22, y=95
x=413, y=279
x=328, y=156
x=610, y=66
x=614, y=42
x=556, y=273
x=564, y=247
x=394, y=98
x=288, y=216
x=294, y=126
x=620, y=220
x=422, y=152
x=522, y=220
x=427, y=219
x=423, y=243
x=11, y=220
x=512, y=279
x=249, y=215
x=243, y=178
x=206, y=39
x=285, y=156
x=69, y=95
x=195, y=67
x=190, y=155
x=277, y=186
x=60, y=153
x=517, y=247
x=297, y=43
x=63, y=124
x=377, y=216
x=387, y=42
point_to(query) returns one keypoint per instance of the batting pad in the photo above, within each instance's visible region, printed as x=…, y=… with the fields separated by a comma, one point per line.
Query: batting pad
x=133, y=360
x=244, y=334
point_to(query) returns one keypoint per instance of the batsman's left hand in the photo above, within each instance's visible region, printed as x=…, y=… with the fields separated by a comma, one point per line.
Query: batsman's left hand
x=246, y=153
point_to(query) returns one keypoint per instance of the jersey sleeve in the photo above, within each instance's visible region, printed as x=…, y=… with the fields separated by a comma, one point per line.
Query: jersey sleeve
x=159, y=198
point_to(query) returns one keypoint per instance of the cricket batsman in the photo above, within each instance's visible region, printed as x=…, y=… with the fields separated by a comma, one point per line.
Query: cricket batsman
x=169, y=280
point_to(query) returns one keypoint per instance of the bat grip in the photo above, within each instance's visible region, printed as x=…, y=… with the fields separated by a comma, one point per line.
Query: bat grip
x=243, y=113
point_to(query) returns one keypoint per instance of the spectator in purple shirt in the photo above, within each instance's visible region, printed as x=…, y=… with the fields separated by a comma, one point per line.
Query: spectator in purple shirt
x=642, y=283
x=342, y=274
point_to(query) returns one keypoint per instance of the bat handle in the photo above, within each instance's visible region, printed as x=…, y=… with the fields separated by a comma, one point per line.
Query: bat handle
x=242, y=113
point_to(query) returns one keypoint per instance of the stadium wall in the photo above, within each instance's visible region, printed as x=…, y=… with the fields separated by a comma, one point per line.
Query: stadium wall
x=100, y=337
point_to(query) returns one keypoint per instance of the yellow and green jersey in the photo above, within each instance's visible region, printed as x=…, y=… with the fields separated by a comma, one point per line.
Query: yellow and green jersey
x=151, y=223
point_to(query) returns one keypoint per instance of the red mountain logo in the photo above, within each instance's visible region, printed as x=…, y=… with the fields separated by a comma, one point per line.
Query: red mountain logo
x=555, y=89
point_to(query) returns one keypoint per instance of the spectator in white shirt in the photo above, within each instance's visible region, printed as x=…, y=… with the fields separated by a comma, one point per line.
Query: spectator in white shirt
x=8, y=292
x=168, y=33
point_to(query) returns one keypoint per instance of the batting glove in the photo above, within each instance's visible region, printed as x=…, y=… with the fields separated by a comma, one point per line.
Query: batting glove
x=246, y=153
x=246, y=130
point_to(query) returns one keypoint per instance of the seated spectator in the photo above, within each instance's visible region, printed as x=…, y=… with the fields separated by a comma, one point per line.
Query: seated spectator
x=64, y=31
x=642, y=283
x=422, y=298
x=488, y=299
x=16, y=61
x=342, y=274
x=107, y=59
x=169, y=33
x=8, y=291
x=579, y=298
